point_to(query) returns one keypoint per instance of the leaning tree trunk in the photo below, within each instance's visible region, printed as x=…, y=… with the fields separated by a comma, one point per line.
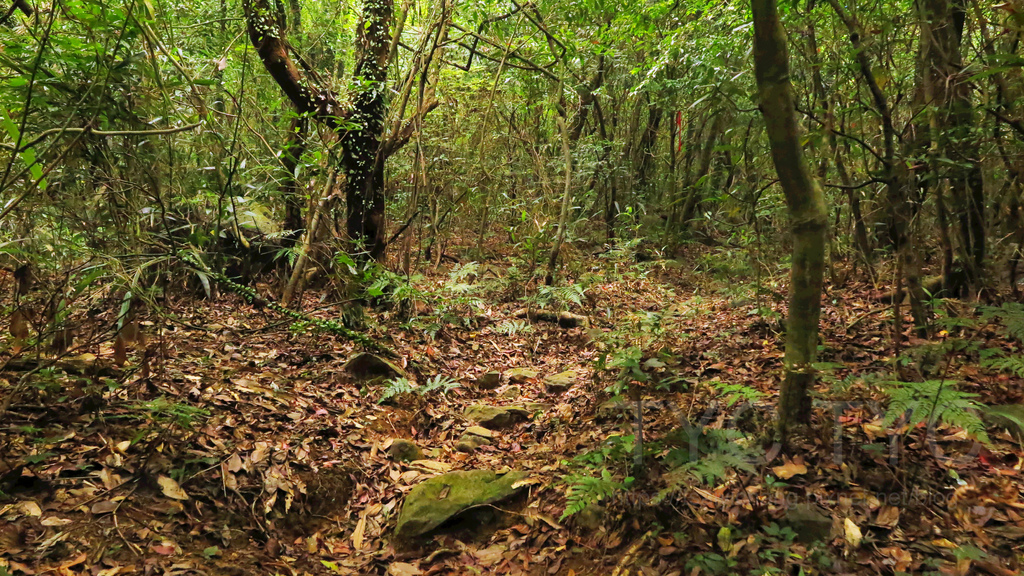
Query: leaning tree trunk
x=808, y=219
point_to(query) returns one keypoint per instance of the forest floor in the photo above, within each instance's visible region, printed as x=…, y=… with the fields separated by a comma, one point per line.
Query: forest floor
x=245, y=447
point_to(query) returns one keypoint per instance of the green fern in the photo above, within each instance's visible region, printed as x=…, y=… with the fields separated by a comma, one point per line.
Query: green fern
x=513, y=328
x=587, y=490
x=934, y=401
x=394, y=387
x=1010, y=315
x=719, y=451
x=1012, y=364
x=439, y=382
x=735, y=392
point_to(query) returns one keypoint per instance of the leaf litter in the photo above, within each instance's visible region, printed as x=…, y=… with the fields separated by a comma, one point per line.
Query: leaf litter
x=247, y=449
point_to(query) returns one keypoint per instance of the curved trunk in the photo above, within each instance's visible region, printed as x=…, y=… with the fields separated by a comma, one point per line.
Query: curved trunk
x=807, y=211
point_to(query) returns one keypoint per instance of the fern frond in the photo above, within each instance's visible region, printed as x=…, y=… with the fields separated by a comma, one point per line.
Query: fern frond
x=938, y=401
x=587, y=490
x=1012, y=364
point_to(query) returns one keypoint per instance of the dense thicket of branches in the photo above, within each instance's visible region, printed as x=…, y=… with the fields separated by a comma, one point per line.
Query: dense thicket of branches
x=132, y=130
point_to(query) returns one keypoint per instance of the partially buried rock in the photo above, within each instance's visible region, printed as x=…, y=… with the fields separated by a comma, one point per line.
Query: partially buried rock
x=559, y=383
x=496, y=417
x=489, y=381
x=473, y=438
x=520, y=375
x=365, y=366
x=405, y=451
x=512, y=392
x=434, y=501
x=810, y=522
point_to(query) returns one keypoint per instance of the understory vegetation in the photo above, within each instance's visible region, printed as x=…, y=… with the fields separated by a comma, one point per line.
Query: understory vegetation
x=430, y=287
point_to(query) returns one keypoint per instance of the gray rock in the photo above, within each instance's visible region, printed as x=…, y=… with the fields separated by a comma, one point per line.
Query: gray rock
x=404, y=451
x=520, y=375
x=434, y=501
x=364, y=366
x=489, y=381
x=496, y=417
x=559, y=383
x=810, y=522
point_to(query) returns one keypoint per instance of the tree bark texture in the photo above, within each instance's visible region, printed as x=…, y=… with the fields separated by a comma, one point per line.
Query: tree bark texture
x=808, y=216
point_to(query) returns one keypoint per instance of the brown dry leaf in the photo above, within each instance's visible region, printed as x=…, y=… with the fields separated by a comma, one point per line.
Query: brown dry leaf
x=491, y=555
x=72, y=562
x=403, y=569
x=30, y=508
x=171, y=489
x=790, y=468
x=888, y=517
x=359, y=532
x=902, y=558
x=165, y=549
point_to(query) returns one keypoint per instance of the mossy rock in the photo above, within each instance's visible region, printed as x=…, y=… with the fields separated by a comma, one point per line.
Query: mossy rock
x=496, y=417
x=559, y=383
x=433, y=502
x=473, y=438
x=512, y=393
x=404, y=451
x=489, y=380
x=521, y=375
x=810, y=522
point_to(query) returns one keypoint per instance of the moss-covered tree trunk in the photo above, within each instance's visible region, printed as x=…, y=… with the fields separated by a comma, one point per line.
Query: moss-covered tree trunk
x=361, y=128
x=808, y=217
x=363, y=157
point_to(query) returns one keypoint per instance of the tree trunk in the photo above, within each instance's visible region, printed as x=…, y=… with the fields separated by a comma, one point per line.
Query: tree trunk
x=808, y=217
x=360, y=128
x=940, y=76
x=363, y=160
x=294, y=147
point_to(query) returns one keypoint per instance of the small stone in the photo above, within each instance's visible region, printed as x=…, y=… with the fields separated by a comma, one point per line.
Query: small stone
x=466, y=446
x=405, y=451
x=559, y=383
x=512, y=392
x=489, y=380
x=520, y=375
